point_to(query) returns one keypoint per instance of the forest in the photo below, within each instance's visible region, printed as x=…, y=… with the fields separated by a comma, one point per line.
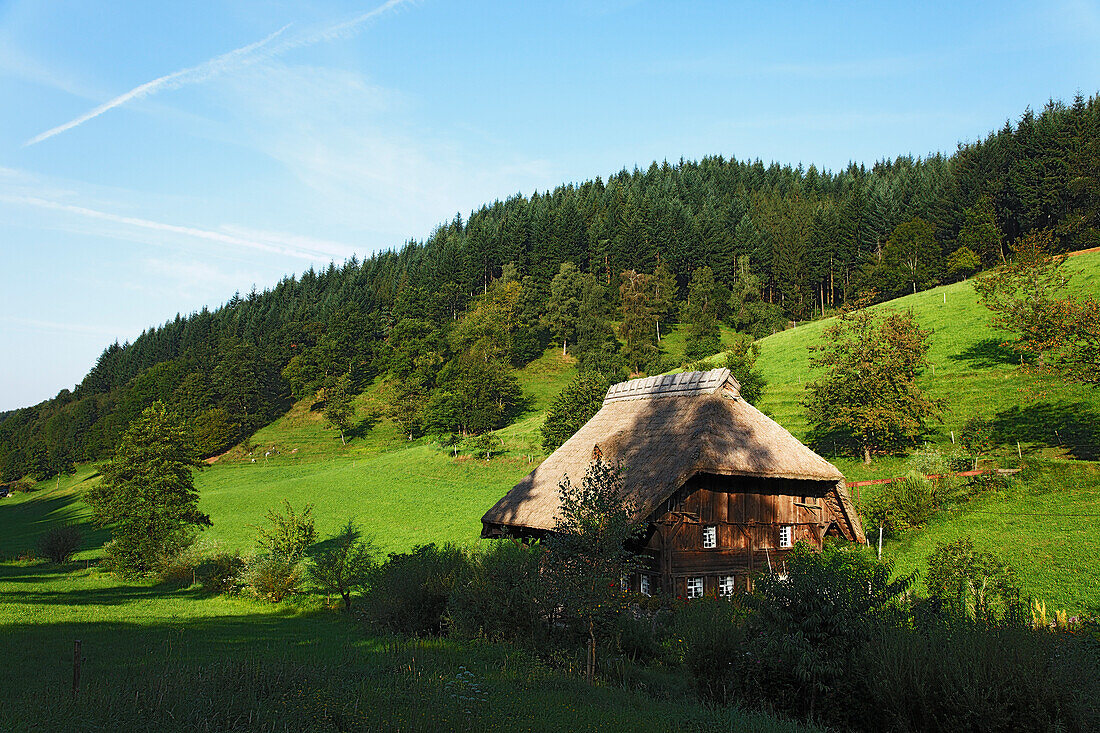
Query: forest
x=600, y=269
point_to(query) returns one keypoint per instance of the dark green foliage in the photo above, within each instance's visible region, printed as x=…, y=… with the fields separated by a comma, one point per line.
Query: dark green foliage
x=637, y=325
x=573, y=407
x=147, y=496
x=409, y=592
x=973, y=583
x=59, y=544
x=978, y=678
x=586, y=554
x=338, y=408
x=700, y=313
x=343, y=563
x=501, y=597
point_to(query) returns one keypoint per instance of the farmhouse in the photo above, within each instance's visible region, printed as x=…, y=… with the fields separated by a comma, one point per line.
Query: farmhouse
x=723, y=491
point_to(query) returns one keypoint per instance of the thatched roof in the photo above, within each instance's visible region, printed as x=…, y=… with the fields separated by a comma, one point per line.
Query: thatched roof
x=665, y=430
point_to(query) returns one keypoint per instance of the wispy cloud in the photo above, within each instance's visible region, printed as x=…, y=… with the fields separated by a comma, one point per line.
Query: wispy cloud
x=65, y=327
x=189, y=75
x=253, y=52
x=282, y=244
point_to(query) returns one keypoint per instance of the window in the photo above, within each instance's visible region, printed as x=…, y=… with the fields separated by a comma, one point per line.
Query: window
x=785, y=535
x=710, y=537
x=695, y=587
x=643, y=585
x=725, y=586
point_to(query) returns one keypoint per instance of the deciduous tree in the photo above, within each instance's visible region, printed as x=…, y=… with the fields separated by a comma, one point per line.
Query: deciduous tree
x=147, y=496
x=869, y=396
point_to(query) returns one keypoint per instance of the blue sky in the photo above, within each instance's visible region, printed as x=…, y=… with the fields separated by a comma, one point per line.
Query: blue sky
x=158, y=157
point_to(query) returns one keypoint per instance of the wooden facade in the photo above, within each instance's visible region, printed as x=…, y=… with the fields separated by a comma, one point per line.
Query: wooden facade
x=748, y=516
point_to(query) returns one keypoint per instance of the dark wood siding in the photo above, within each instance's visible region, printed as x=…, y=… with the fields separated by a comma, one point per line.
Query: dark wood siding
x=747, y=514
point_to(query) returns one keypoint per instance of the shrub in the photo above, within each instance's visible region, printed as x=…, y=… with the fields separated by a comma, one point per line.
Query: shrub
x=179, y=569
x=220, y=572
x=271, y=578
x=289, y=533
x=500, y=596
x=803, y=630
x=24, y=484
x=343, y=563
x=903, y=504
x=974, y=583
x=709, y=634
x=409, y=592
x=59, y=544
x=980, y=678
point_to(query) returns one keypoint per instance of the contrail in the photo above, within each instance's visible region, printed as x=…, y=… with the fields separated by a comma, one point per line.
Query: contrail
x=288, y=245
x=221, y=63
x=175, y=79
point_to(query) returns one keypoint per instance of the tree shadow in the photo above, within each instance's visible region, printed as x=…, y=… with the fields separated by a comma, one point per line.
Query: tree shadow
x=986, y=353
x=364, y=426
x=28, y=521
x=1074, y=426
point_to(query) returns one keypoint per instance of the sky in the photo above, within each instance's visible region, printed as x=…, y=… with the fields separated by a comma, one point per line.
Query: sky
x=159, y=157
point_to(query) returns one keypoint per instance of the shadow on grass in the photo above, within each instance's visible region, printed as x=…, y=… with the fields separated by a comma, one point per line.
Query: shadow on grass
x=364, y=426
x=38, y=576
x=21, y=525
x=985, y=354
x=1074, y=426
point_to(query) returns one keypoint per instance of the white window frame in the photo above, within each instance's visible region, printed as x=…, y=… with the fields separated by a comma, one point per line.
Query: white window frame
x=786, y=536
x=726, y=585
x=694, y=587
x=643, y=584
x=710, y=537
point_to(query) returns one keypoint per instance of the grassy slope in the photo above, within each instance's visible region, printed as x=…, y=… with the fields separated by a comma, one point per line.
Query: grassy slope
x=410, y=492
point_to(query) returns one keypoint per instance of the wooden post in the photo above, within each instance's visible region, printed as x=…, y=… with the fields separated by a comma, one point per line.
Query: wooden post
x=880, y=543
x=77, y=661
x=952, y=437
x=1019, y=452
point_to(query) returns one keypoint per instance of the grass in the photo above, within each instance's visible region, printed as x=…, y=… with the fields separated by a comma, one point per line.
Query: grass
x=410, y=492
x=166, y=658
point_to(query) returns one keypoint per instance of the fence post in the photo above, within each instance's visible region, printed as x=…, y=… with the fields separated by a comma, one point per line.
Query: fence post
x=880, y=542
x=1019, y=452
x=77, y=660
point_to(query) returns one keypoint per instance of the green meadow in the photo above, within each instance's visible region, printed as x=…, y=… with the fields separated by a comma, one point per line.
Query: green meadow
x=412, y=492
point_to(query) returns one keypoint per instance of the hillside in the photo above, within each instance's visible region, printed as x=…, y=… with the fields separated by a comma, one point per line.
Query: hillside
x=1042, y=527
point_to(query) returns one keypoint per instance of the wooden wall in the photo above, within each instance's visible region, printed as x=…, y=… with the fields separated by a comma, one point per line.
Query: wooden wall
x=747, y=513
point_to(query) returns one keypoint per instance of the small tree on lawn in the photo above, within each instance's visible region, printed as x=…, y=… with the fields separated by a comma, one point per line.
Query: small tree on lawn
x=869, y=397
x=573, y=407
x=977, y=437
x=1027, y=298
x=338, y=408
x=343, y=563
x=147, y=496
x=276, y=570
x=586, y=554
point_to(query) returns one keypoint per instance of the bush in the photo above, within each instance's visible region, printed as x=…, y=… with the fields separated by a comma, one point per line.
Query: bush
x=271, y=578
x=709, y=634
x=24, y=484
x=978, y=678
x=289, y=533
x=179, y=569
x=974, y=584
x=59, y=544
x=903, y=504
x=220, y=572
x=343, y=563
x=499, y=597
x=409, y=592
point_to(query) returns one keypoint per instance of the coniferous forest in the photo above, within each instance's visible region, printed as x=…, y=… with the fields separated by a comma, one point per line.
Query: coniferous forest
x=597, y=269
